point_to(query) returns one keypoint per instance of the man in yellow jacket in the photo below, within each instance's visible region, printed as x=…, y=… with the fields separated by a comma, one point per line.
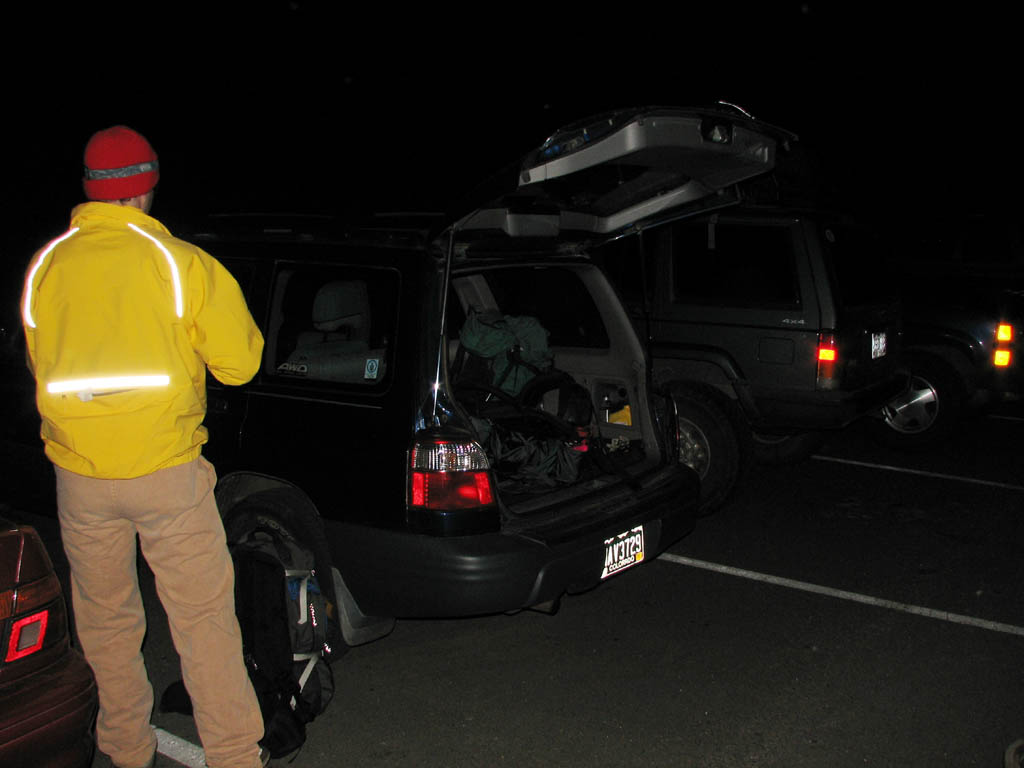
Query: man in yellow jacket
x=122, y=321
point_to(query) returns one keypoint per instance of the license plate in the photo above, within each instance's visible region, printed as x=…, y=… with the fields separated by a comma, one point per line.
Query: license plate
x=623, y=551
x=877, y=345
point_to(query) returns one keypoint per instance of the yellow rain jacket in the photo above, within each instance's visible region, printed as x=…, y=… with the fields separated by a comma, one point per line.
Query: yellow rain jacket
x=121, y=321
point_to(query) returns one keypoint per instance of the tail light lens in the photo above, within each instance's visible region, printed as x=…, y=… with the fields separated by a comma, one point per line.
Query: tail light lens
x=32, y=613
x=28, y=635
x=828, y=361
x=449, y=475
x=1002, y=357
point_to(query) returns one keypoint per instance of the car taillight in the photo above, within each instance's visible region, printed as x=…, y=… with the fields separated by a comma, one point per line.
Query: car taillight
x=31, y=609
x=1001, y=356
x=449, y=475
x=32, y=612
x=828, y=360
x=27, y=635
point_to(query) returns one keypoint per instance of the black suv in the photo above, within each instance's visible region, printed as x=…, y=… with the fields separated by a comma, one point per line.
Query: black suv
x=432, y=489
x=961, y=279
x=769, y=323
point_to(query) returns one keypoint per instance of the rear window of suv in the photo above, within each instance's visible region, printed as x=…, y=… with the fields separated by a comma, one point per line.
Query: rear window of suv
x=331, y=323
x=556, y=296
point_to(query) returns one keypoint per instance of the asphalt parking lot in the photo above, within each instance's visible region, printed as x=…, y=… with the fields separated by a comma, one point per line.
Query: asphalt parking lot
x=861, y=608
x=867, y=614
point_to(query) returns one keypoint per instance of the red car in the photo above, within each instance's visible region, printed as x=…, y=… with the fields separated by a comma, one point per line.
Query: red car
x=47, y=692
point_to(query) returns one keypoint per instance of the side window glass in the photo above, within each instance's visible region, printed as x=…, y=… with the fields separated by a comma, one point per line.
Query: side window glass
x=736, y=264
x=332, y=324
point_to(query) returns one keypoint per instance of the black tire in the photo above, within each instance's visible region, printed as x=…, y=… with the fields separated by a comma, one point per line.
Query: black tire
x=710, y=444
x=928, y=413
x=780, y=450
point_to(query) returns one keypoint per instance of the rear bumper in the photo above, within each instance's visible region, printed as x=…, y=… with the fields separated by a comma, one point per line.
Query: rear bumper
x=46, y=719
x=395, y=573
x=823, y=409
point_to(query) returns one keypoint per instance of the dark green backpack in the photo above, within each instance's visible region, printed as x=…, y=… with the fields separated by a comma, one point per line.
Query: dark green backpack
x=512, y=350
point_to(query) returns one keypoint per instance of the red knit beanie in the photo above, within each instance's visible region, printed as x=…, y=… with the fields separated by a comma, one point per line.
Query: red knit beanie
x=119, y=163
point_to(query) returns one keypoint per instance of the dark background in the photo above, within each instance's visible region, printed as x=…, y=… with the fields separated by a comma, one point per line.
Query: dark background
x=283, y=106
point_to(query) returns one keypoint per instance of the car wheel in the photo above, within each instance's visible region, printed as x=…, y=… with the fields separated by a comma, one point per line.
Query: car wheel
x=927, y=412
x=778, y=450
x=709, y=444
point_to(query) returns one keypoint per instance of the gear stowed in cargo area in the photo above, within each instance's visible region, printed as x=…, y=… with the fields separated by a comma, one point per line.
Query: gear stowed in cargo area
x=503, y=371
x=503, y=351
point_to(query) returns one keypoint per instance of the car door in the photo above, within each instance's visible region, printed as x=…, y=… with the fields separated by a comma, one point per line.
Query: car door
x=323, y=412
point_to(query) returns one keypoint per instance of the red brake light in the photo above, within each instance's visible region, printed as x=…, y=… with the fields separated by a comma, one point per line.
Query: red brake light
x=451, y=490
x=32, y=607
x=449, y=475
x=27, y=635
x=828, y=357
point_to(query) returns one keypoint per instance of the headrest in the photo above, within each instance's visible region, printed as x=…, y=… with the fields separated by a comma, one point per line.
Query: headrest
x=341, y=304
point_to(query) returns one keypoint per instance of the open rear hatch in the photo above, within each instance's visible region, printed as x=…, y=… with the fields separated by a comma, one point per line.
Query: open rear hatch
x=599, y=177
x=519, y=256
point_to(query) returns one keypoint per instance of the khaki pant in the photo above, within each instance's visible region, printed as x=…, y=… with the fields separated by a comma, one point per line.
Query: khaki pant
x=174, y=513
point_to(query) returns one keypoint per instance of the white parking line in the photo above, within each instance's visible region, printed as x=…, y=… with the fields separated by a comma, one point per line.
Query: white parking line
x=179, y=750
x=943, y=476
x=842, y=594
x=1001, y=417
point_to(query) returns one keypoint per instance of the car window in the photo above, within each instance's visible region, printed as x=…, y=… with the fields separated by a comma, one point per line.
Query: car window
x=331, y=324
x=734, y=264
x=556, y=296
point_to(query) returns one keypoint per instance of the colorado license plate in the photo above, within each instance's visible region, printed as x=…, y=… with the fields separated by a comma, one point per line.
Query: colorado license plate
x=623, y=551
x=877, y=345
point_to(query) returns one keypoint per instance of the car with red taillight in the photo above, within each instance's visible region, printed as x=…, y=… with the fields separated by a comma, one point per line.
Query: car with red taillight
x=48, y=696
x=424, y=491
x=769, y=322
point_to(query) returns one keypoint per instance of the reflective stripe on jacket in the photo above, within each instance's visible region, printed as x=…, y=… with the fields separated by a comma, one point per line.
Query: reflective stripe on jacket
x=121, y=321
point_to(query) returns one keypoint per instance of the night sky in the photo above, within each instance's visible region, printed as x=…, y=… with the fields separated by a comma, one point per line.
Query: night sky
x=288, y=107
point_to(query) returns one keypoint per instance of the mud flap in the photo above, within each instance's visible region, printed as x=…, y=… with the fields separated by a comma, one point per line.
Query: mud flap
x=356, y=627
